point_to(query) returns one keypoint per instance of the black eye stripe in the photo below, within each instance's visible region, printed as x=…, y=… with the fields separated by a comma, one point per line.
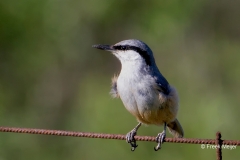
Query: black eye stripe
x=123, y=48
x=143, y=53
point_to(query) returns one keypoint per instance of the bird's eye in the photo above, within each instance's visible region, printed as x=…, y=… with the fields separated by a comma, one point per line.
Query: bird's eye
x=123, y=48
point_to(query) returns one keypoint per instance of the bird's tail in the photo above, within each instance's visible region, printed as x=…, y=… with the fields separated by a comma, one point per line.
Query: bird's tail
x=175, y=129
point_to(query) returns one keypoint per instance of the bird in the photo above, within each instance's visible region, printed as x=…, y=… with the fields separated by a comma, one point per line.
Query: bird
x=144, y=91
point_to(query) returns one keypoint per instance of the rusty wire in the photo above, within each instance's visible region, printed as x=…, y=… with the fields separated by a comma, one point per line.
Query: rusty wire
x=114, y=136
x=219, y=145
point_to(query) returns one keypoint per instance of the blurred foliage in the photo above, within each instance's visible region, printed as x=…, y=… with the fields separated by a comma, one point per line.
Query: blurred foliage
x=50, y=77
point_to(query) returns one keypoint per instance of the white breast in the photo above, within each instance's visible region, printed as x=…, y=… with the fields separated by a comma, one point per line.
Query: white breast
x=136, y=89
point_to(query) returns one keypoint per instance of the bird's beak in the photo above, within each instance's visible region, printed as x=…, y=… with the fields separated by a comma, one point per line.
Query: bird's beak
x=103, y=47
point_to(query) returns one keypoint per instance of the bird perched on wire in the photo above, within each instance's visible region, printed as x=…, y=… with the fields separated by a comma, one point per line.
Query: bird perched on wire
x=145, y=93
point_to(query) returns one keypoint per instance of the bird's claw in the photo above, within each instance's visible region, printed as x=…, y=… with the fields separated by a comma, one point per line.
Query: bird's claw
x=160, y=139
x=130, y=139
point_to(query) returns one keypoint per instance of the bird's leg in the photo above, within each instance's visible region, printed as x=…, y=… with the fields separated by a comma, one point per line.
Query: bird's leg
x=160, y=138
x=130, y=137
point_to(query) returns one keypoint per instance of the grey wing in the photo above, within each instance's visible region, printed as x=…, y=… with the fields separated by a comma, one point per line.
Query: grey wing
x=162, y=84
x=114, y=91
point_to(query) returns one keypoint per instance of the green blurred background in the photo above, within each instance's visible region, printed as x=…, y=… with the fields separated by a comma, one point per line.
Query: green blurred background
x=51, y=77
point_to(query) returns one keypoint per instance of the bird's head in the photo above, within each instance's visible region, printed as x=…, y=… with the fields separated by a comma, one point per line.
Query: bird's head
x=131, y=50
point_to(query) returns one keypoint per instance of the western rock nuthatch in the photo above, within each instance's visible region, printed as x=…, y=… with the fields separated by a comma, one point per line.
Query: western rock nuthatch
x=144, y=91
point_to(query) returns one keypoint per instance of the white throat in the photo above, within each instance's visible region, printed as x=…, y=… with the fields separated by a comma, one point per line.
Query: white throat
x=129, y=58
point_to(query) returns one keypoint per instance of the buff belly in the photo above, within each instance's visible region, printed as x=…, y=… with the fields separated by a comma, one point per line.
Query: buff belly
x=155, y=109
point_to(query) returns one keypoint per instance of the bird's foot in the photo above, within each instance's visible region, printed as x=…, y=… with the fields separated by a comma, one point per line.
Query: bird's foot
x=160, y=139
x=130, y=139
